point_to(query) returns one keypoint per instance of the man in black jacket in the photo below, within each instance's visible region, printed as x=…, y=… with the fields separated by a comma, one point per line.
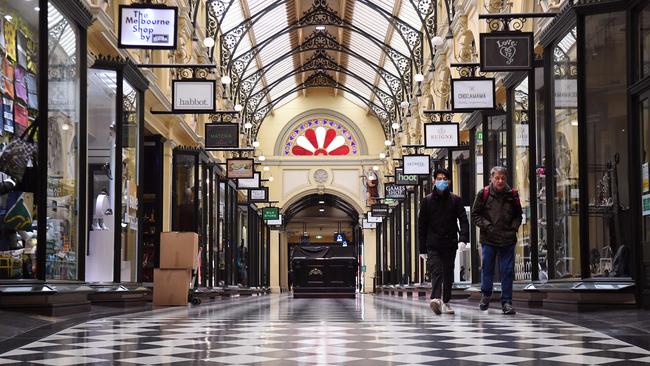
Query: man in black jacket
x=497, y=212
x=440, y=213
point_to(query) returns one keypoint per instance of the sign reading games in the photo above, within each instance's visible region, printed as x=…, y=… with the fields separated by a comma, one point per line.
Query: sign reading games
x=221, y=136
x=147, y=26
x=470, y=94
x=416, y=164
x=395, y=191
x=193, y=96
x=439, y=135
x=506, y=51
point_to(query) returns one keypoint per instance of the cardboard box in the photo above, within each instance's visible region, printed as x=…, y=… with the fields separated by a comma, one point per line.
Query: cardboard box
x=171, y=286
x=179, y=250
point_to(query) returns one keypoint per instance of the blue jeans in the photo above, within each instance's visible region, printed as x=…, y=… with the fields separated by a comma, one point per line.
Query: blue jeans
x=506, y=269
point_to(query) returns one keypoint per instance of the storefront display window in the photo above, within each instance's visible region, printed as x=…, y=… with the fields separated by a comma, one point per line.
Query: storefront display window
x=18, y=109
x=221, y=241
x=644, y=124
x=540, y=173
x=63, y=117
x=130, y=181
x=520, y=178
x=184, y=194
x=566, y=194
x=607, y=146
x=496, y=148
x=102, y=89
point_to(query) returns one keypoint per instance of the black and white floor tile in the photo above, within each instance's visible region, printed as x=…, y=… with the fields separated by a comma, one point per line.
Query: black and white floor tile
x=368, y=330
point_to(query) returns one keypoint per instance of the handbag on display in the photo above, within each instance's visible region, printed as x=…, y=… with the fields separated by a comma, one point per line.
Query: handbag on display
x=19, y=152
x=17, y=216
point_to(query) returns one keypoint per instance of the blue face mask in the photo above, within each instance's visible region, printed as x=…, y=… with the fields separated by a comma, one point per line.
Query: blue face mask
x=442, y=185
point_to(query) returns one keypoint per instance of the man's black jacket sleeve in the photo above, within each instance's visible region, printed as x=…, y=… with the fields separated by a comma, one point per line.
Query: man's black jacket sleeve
x=423, y=223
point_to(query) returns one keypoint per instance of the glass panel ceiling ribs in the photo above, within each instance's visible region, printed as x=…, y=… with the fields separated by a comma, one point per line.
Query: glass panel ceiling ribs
x=378, y=48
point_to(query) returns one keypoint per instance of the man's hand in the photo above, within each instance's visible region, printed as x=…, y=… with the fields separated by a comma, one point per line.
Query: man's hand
x=462, y=246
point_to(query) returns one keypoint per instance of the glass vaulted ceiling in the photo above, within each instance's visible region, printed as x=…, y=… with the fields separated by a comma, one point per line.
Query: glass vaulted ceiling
x=370, y=31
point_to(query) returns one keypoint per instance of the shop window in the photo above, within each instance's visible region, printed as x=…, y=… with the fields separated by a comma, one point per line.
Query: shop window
x=540, y=171
x=496, y=149
x=644, y=40
x=102, y=90
x=320, y=137
x=63, y=148
x=644, y=124
x=566, y=226
x=520, y=177
x=184, y=194
x=130, y=181
x=607, y=146
x=19, y=29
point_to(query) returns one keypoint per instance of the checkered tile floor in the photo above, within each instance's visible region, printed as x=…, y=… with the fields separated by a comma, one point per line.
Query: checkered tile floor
x=370, y=330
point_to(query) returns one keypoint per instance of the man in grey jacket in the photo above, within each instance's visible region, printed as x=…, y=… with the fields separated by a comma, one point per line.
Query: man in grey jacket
x=497, y=212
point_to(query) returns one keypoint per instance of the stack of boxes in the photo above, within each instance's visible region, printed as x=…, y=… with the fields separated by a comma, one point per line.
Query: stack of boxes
x=178, y=258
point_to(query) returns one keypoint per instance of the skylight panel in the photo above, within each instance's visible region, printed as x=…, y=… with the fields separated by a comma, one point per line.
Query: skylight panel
x=354, y=99
x=270, y=24
x=410, y=15
x=365, y=47
x=286, y=100
x=398, y=43
x=370, y=21
x=233, y=17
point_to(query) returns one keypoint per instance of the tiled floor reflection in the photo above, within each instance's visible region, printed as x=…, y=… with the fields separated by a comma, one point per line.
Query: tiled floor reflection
x=370, y=330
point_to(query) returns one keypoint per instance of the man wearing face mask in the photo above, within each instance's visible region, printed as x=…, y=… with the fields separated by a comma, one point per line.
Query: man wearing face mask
x=438, y=233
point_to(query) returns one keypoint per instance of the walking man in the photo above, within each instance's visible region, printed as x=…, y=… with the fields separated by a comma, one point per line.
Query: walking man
x=497, y=212
x=440, y=213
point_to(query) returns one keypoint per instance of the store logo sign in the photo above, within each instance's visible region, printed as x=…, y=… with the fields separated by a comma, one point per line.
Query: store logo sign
x=416, y=164
x=379, y=210
x=470, y=94
x=395, y=191
x=193, y=96
x=147, y=26
x=405, y=179
x=506, y=51
x=439, y=135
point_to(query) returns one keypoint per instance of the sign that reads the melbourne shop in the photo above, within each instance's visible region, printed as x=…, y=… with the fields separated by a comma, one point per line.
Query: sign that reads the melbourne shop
x=438, y=135
x=193, y=96
x=470, y=94
x=416, y=164
x=405, y=179
x=148, y=26
x=379, y=210
x=395, y=191
x=506, y=51
x=221, y=135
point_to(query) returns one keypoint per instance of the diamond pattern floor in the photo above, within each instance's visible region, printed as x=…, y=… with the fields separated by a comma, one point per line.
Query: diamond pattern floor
x=368, y=330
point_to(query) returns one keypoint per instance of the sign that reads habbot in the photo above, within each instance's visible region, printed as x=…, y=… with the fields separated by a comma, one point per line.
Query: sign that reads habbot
x=193, y=96
x=147, y=26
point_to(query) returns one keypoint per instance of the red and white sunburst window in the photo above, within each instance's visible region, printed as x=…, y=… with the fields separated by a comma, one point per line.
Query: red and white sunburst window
x=321, y=137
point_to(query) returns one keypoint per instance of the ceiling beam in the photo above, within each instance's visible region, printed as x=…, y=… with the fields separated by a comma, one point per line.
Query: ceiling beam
x=389, y=36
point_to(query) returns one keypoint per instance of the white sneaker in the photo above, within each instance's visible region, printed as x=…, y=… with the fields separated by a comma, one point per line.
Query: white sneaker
x=435, y=305
x=446, y=309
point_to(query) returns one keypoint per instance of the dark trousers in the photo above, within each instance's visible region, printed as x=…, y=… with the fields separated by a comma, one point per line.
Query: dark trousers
x=506, y=269
x=441, y=270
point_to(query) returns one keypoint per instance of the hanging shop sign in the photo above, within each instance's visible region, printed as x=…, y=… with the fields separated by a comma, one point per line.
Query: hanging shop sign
x=271, y=213
x=416, y=164
x=239, y=168
x=257, y=195
x=506, y=51
x=470, y=94
x=147, y=26
x=221, y=136
x=249, y=183
x=394, y=191
x=379, y=210
x=193, y=96
x=374, y=219
x=566, y=93
x=277, y=222
x=368, y=225
x=441, y=135
x=405, y=179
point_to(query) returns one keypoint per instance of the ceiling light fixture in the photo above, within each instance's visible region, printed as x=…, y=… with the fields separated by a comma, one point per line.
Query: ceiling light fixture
x=266, y=169
x=418, y=77
x=256, y=144
x=238, y=107
x=225, y=80
x=395, y=126
x=261, y=158
x=321, y=202
x=270, y=179
x=388, y=142
x=382, y=156
x=437, y=41
x=375, y=168
x=248, y=125
x=320, y=27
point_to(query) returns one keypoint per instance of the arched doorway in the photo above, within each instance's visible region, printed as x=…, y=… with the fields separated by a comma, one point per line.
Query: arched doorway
x=323, y=237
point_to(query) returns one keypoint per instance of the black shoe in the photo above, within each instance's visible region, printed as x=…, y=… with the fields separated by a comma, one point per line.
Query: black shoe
x=508, y=309
x=485, y=302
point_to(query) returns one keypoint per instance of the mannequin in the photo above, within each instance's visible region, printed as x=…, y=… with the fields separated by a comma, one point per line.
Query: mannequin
x=102, y=208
